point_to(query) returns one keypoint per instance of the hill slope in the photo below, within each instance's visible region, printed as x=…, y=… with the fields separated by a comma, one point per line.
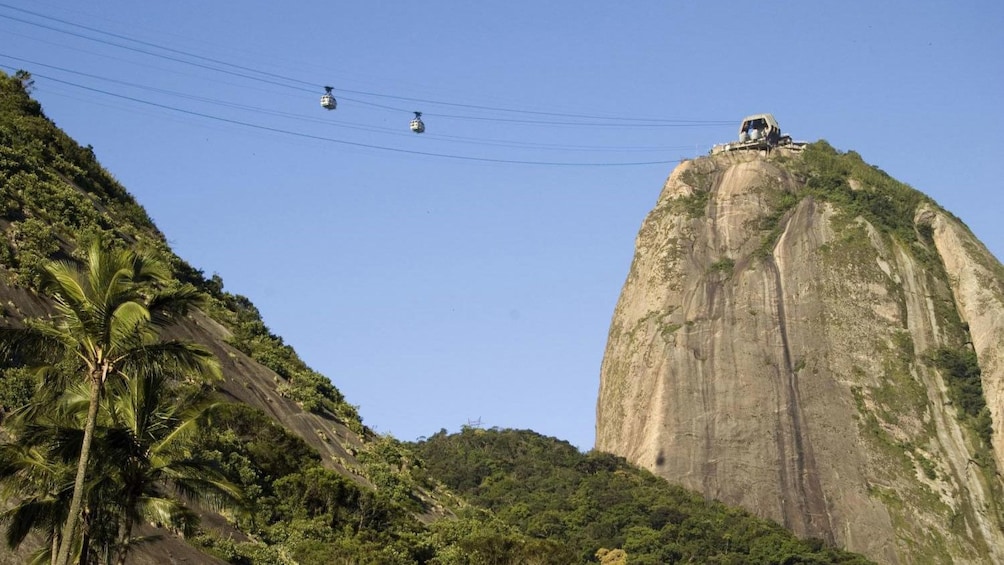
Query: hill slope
x=598, y=501
x=796, y=335
x=55, y=197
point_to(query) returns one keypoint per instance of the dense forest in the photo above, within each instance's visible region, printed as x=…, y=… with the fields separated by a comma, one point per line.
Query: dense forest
x=111, y=422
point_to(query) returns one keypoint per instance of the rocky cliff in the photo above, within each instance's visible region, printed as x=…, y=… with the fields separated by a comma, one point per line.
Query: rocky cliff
x=796, y=335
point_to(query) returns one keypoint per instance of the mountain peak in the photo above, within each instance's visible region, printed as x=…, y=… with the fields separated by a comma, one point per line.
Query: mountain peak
x=793, y=337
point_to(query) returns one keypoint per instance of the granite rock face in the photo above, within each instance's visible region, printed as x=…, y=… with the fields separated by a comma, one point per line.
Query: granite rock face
x=772, y=348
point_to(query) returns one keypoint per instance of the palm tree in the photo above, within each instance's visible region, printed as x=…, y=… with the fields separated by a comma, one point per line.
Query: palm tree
x=144, y=432
x=152, y=426
x=36, y=481
x=109, y=316
x=37, y=468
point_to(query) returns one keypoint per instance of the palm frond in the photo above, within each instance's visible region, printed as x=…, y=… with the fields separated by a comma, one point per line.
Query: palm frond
x=140, y=540
x=22, y=465
x=61, y=442
x=173, y=356
x=29, y=346
x=35, y=513
x=62, y=280
x=190, y=422
x=128, y=327
x=110, y=273
x=169, y=305
x=214, y=493
x=149, y=269
x=67, y=332
x=167, y=512
x=42, y=556
x=75, y=398
x=53, y=378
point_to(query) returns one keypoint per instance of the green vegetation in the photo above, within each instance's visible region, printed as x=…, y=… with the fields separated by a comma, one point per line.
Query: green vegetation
x=865, y=191
x=962, y=375
x=779, y=202
x=55, y=200
x=844, y=179
x=697, y=177
x=723, y=267
x=668, y=329
x=296, y=505
x=142, y=439
x=48, y=188
x=109, y=317
x=694, y=205
x=596, y=501
x=882, y=200
x=310, y=389
x=855, y=187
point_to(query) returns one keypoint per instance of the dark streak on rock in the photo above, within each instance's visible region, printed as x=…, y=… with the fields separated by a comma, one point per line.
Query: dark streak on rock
x=811, y=503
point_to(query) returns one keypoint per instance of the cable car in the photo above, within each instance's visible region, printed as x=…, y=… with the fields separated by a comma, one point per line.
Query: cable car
x=328, y=100
x=417, y=125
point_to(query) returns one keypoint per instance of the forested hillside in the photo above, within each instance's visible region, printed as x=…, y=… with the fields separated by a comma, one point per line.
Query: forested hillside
x=223, y=446
x=596, y=503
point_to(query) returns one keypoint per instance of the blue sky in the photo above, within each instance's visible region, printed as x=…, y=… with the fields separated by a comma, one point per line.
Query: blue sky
x=436, y=291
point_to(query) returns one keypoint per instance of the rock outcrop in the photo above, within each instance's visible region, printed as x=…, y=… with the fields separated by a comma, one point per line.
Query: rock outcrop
x=781, y=343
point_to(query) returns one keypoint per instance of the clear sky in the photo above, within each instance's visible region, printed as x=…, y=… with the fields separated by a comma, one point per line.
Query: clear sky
x=436, y=291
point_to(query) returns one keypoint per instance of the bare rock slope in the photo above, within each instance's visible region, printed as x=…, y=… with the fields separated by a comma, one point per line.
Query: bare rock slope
x=776, y=345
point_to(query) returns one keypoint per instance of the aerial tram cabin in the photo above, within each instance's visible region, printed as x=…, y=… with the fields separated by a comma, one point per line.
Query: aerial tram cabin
x=760, y=127
x=759, y=132
x=417, y=125
x=328, y=101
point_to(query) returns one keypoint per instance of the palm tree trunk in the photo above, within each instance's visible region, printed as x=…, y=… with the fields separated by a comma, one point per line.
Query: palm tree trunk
x=125, y=535
x=122, y=556
x=85, y=549
x=78, y=485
